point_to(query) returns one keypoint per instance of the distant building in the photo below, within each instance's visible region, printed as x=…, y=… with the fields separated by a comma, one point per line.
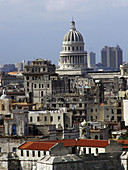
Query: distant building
x=7, y=68
x=20, y=66
x=112, y=57
x=91, y=59
x=40, y=80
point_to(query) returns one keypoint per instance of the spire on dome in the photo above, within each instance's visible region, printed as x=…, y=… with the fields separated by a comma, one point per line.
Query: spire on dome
x=72, y=25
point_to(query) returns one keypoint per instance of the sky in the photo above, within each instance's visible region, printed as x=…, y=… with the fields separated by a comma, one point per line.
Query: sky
x=31, y=29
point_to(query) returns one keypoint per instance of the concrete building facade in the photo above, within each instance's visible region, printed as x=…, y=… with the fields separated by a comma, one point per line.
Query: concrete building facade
x=112, y=57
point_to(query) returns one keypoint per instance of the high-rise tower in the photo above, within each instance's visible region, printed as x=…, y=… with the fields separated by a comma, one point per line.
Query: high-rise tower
x=91, y=60
x=111, y=57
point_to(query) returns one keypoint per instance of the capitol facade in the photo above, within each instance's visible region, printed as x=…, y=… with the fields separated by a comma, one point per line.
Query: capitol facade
x=73, y=58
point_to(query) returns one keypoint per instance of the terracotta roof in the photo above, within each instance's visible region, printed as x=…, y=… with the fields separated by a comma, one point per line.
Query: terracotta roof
x=66, y=142
x=93, y=143
x=13, y=72
x=37, y=145
x=125, y=147
x=94, y=130
x=46, y=145
x=123, y=142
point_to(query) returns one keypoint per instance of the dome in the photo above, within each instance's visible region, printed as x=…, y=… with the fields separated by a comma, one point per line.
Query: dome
x=73, y=35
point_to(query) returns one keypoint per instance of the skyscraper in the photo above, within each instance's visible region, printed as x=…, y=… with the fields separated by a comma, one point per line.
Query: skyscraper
x=111, y=57
x=91, y=59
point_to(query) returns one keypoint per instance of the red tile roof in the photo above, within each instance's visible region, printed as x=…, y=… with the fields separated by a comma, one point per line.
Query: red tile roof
x=125, y=147
x=93, y=143
x=13, y=72
x=37, y=146
x=46, y=145
x=123, y=142
x=66, y=142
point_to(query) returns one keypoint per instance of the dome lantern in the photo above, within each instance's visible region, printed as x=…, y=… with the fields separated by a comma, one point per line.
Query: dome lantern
x=72, y=26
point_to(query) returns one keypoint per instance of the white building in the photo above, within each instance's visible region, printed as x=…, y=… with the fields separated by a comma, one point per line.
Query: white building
x=73, y=58
x=59, y=117
x=125, y=111
x=91, y=60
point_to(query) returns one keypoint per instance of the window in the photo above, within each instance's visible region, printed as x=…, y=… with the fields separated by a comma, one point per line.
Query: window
x=21, y=152
x=3, y=107
x=91, y=110
x=119, y=104
x=58, y=117
x=67, y=105
x=44, y=152
x=39, y=86
x=34, y=85
x=0, y=150
x=42, y=86
x=72, y=48
x=96, y=150
x=38, y=118
x=43, y=69
x=89, y=150
x=27, y=77
x=119, y=111
x=69, y=48
x=96, y=136
x=30, y=118
x=14, y=129
x=47, y=85
x=51, y=118
x=112, y=118
x=80, y=104
x=41, y=93
x=27, y=153
x=45, y=118
x=84, y=149
x=38, y=153
x=118, y=118
x=14, y=149
x=28, y=84
x=53, y=105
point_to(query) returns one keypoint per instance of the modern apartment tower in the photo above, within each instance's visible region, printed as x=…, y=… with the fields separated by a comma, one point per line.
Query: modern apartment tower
x=111, y=57
x=91, y=60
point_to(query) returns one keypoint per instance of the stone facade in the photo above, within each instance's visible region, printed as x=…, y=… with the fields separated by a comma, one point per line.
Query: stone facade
x=41, y=80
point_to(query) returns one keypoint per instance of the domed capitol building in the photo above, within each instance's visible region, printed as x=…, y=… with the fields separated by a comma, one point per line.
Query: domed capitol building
x=73, y=58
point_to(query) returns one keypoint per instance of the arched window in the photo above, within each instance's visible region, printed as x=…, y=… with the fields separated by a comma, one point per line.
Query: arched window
x=14, y=131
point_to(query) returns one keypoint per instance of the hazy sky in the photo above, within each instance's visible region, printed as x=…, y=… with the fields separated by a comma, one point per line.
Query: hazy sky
x=31, y=29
